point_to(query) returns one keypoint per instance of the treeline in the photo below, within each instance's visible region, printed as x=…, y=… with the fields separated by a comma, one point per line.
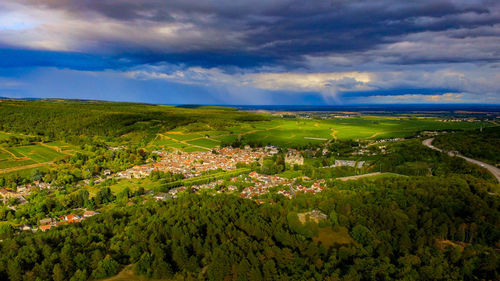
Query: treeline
x=478, y=144
x=19, y=140
x=396, y=225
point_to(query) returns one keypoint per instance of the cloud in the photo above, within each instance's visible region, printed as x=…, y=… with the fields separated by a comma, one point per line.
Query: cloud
x=422, y=98
x=328, y=84
x=337, y=50
x=477, y=80
x=285, y=31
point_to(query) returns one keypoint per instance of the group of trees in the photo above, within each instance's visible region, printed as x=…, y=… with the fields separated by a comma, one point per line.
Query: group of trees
x=478, y=144
x=395, y=224
x=19, y=140
x=412, y=158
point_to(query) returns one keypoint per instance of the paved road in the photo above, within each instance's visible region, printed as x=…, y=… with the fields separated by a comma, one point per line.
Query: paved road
x=494, y=170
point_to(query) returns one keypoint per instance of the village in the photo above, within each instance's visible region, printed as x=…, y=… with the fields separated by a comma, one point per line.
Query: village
x=250, y=185
x=253, y=186
x=261, y=184
x=193, y=164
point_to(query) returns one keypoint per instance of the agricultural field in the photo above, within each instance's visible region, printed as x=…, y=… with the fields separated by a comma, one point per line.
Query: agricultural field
x=20, y=158
x=299, y=132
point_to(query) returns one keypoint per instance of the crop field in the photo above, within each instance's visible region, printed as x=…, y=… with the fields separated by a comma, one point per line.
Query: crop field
x=205, y=142
x=19, y=158
x=4, y=155
x=293, y=132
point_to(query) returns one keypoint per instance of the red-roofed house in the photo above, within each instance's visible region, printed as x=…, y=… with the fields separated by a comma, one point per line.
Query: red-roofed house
x=45, y=227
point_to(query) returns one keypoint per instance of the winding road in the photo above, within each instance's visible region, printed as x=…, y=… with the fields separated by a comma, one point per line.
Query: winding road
x=494, y=170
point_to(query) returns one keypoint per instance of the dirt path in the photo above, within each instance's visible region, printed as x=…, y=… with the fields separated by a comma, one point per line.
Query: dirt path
x=334, y=134
x=14, y=169
x=12, y=154
x=359, y=176
x=185, y=143
x=255, y=131
x=374, y=135
x=56, y=148
x=494, y=170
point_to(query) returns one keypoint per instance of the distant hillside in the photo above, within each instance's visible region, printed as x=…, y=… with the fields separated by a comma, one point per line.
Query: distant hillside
x=58, y=119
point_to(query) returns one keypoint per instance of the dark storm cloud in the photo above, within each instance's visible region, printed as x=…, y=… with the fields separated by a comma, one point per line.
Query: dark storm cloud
x=282, y=32
x=18, y=58
x=253, y=51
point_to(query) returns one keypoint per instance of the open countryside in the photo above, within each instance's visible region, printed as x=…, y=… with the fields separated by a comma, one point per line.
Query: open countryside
x=302, y=131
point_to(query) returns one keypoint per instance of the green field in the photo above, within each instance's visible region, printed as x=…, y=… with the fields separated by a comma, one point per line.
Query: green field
x=205, y=143
x=296, y=132
x=15, y=163
x=19, y=158
x=331, y=238
x=4, y=155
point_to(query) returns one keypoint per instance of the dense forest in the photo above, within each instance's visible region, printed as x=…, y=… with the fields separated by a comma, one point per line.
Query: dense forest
x=68, y=119
x=400, y=228
x=478, y=144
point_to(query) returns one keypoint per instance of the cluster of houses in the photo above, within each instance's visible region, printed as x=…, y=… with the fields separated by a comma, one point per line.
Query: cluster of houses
x=36, y=184
x=294, y=157
x=348, y=163
x=261, y=184
x=22, y=191
x=7, y=194
x=314, y=215
x=48, y=223
x=388, y=140
x=192, y=164
x=467, y=119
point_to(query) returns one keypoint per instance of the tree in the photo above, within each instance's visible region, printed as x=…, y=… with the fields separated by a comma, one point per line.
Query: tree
x=80, y=275
x=361, y=234
x=36, y=175
x=107, y=267
x=57, y=273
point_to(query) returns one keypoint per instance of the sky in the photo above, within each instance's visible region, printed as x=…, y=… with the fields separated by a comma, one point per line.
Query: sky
x=331, y=52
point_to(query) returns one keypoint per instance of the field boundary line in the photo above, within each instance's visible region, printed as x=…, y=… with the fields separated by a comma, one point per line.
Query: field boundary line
x=14, y=169
x=13, y=155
